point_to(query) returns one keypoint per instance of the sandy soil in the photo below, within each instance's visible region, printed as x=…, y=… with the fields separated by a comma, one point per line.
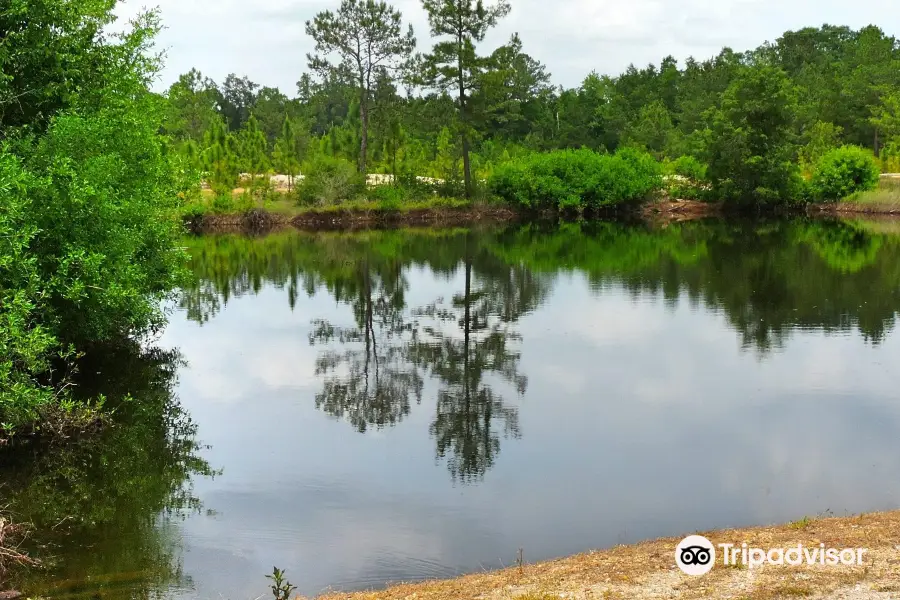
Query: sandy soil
x=648, y=570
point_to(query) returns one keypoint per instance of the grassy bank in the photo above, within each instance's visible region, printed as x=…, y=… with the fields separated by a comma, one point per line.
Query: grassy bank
x=648, y=570
x=885, y=200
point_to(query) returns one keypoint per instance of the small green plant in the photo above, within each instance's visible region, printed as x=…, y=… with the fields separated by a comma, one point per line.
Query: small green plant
x=389, y=197
x=843, y=172
x=223, y=203
x=686, y=179
x=801, y=523
x=327, y=181
x=281, y=587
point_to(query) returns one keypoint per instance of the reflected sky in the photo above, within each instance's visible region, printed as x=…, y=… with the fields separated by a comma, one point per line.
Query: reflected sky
x=642, y=417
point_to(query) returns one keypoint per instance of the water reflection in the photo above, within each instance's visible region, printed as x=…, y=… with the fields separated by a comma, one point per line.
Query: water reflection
x=769, y=279
x=367, y=377
x=105, y=511
x=562, y=373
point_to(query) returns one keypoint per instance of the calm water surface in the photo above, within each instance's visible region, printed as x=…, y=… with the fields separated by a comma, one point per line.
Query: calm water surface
x=361, y=408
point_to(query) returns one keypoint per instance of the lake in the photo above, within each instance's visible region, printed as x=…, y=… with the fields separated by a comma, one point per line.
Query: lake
x=379, y=406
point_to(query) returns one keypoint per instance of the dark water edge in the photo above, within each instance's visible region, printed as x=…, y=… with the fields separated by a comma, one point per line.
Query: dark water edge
x=376, y=406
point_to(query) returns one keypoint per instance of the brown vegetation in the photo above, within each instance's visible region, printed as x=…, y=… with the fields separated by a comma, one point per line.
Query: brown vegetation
x=256, y=221
x=11, y=537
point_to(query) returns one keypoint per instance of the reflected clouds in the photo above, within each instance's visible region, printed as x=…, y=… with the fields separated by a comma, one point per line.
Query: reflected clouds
x=639, y=396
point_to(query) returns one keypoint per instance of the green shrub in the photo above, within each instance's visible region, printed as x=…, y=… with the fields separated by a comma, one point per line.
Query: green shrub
x=576, y=179
x=844, y=171
x=689, y=167
x=687, y=179
x=389, y=196
x=890, y=157
x=749, y=147
x=223, y=203
x=329, y=181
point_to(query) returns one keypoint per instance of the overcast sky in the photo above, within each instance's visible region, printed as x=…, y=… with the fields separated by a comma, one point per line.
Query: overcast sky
x=266, y=39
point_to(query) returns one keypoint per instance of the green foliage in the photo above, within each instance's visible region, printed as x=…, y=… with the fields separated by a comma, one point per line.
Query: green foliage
x=107, y=241
x=390, y=197
x=653, y=130
x=886, y=116
x=219, y=159
x=51, y=53
x=577, y=179
x=192, y=102
x=843, y=172
x=367, y=40
x=454, y=64
x=290, y=150
x=686, y=179
x=327, y=181
x=90, y=240
x=749, y=147
x=820, y=139
x=25, y=344
x=890, y=158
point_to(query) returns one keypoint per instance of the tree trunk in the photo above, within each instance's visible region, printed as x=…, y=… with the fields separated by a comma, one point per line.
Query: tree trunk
x=464, y=121
x=364, y=133
x=467, y=167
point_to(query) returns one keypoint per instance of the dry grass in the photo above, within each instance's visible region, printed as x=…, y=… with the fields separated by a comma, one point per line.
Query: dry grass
x=884, y=199
x=648, y=571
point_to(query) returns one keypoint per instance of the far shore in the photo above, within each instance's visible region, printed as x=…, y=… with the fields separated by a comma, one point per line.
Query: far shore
x=459, y=213
x=648, y=570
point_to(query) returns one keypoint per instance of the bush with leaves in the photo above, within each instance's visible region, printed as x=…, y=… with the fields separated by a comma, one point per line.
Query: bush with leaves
x=843, y=172
x=26, y=345
x=89, y=240
x=749, y=147
x=686, y=179
x=577, y=179
x=890, y=157
x=328, y=181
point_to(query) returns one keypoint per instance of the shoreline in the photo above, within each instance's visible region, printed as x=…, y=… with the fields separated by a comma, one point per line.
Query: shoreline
x=260, y=220
x=264, y=221
x=647, y=570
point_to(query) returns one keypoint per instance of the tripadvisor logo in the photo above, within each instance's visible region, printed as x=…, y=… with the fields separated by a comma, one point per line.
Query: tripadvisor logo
x=696, y=555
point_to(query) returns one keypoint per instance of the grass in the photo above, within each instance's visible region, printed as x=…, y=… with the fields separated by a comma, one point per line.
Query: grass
x=801, y=524
x=884, y=199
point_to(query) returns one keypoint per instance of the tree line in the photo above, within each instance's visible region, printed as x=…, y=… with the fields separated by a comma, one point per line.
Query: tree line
x=457, y=112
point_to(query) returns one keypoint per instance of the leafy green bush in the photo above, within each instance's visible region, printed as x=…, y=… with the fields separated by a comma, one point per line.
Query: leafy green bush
x=329, y=181
x=89, y=235
x=890, y=157
x=577, y=179
x=843, y=172
x=749, y=146
x=222, y=203
x=686, y=179
x=389, y=197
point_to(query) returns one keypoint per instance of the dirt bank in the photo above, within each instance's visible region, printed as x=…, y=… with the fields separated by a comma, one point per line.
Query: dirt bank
x=648, y=570
x=852, y=208
x=673, y=211
x=264, y=221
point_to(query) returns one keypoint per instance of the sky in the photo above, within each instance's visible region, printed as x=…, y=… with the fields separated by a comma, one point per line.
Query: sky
x=266, y=39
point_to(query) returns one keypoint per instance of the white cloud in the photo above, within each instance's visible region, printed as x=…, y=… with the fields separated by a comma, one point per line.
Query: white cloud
x=265, y=40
